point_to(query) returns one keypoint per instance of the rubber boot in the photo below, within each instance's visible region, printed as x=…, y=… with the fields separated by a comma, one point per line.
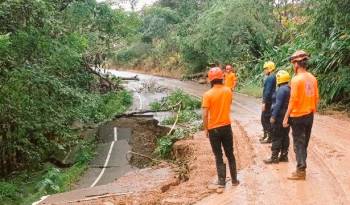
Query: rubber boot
x=222, y=178
x=273, y=159
x=267, y=140
x=219, y=186
x=233, y=173
x=283, y=157
x=263, y=138
x=222, y=174
x=298, y=175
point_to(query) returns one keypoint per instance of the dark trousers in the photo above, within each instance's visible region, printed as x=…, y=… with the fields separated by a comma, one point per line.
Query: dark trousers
x=280, y=138
x=301, y=131
x=265, y=118
x=223, y=136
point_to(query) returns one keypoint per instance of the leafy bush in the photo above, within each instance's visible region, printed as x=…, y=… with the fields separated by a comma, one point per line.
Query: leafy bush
x=8, y=191
x=45, y=50
x=187, y=115
x=188, y=102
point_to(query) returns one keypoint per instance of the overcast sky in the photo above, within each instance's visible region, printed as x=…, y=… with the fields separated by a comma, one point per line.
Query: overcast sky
x=140, y=4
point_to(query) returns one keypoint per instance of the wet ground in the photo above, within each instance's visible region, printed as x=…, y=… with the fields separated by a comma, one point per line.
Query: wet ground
x=328, y=178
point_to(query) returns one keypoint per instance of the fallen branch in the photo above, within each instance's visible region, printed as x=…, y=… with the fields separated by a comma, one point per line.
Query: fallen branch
x=139, y=113
x=177, y=119
x=91, y=70
x=130, y=78
x=147, y=111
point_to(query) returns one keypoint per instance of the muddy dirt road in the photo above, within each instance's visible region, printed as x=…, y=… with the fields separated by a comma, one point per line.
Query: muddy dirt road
x=328, y=176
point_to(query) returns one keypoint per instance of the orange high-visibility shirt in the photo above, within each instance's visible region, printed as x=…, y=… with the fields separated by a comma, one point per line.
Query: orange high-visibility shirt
x=230, y=80
x=218, y=102
x=304, y=94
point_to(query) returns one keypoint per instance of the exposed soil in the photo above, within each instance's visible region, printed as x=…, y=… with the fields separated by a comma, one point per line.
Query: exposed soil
x=145, y=132
x=160, y=185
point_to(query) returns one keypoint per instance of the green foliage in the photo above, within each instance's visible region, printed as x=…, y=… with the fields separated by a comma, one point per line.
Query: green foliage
x=187, y=102
x=29, y=186
x=225, y=40
x=187, y=115
x=157, y=22
x=165, y=143
x=8, y=191
x=44, y=84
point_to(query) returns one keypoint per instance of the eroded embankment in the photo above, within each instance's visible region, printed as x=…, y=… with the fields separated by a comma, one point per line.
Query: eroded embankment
x=196, y=158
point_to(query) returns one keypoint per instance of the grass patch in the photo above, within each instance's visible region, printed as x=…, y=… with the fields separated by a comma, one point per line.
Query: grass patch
x=251, y=90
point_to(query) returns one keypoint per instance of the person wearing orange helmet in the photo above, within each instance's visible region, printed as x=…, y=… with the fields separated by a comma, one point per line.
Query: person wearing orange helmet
x=216, y=108
x=301, y=108
x=230, y=77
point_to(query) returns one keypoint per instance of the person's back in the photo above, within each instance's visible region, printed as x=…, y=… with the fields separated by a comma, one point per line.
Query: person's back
x=280, y=104
x=218, y=101
x=305, y=96
x=269, y=88
x=216, y=109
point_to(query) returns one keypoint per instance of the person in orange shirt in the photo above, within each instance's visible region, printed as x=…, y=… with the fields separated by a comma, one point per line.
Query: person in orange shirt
x=216, y=106
x=230, y=77
x=301, y=108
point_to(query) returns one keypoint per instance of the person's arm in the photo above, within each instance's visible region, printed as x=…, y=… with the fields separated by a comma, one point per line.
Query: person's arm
x=234, y=81
x=205, y=120
x=280, y=98
x=205, y=113
x=292, y=102
x=267, y=93
x=317, y=95
x=267, y=90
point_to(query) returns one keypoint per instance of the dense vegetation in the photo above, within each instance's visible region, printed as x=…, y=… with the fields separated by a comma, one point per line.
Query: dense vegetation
x=47, y=50
x=186, y=35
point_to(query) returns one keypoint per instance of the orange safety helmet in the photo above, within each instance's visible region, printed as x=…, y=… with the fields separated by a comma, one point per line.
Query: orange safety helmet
x=299, y=56
x=215, y=73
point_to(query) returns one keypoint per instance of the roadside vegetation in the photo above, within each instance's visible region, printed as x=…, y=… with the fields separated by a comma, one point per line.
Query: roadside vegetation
x=186, y=35
x=185, y=119
x=50, y=90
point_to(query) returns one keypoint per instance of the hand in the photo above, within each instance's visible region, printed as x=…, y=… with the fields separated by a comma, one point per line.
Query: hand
x=263, y=107
x=285, y=123
x=272, y=120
